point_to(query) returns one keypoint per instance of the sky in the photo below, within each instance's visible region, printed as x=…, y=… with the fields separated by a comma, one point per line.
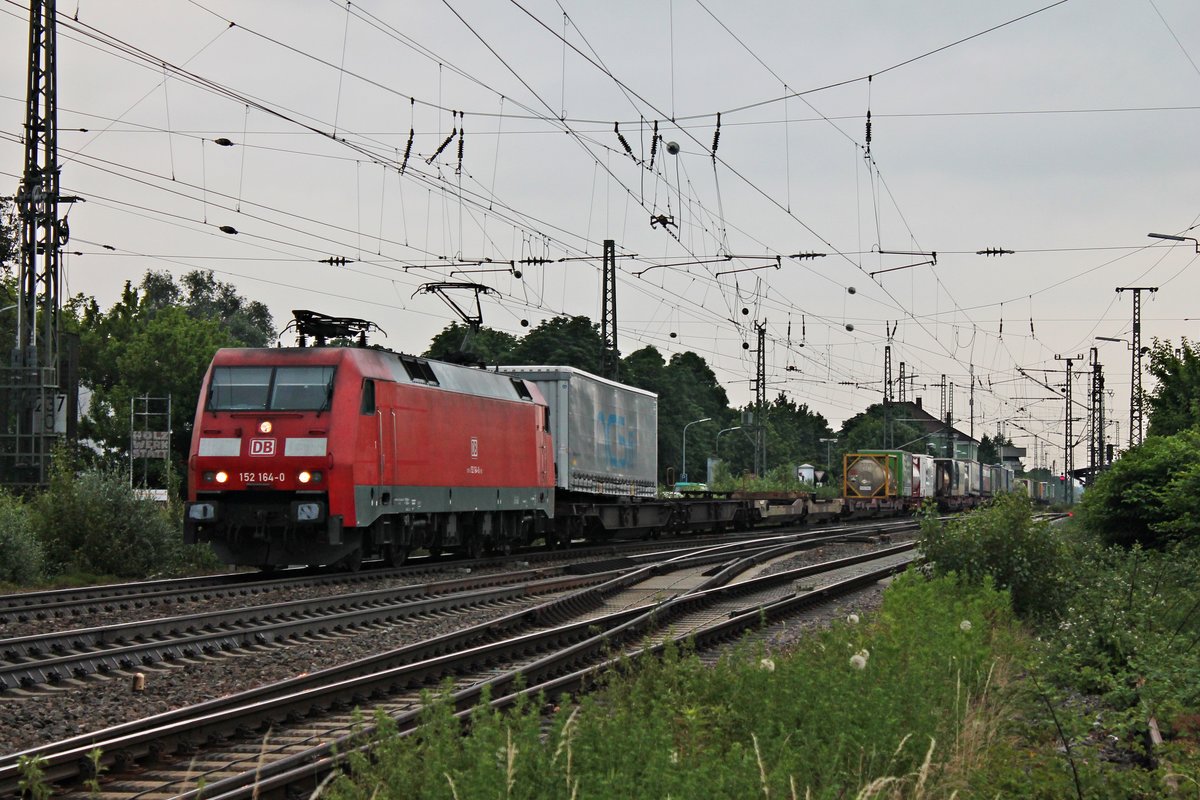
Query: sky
x=1063, y=132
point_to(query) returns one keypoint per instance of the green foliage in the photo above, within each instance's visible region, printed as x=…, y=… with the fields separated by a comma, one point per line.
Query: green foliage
x=10, y=235
x=880, y=427
x=803, y=724
x=21, y=554
x=779, y=480
x=1174, y=405
x=1001, y=542
x=989, y=448
x=33, y=782
x=487, y=345
x=1129, y=629
x=561, y=341
x=1148, y=496
x=157, y=341
x=94, y=523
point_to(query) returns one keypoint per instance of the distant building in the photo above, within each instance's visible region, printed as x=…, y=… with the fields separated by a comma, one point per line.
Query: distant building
x=940, y=440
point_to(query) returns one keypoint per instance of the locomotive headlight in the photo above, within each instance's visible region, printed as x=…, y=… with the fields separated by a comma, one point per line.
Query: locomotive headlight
x=208, y=476
x=222, y=476
x=316, y=476
x=264, y=426
x=305, y=476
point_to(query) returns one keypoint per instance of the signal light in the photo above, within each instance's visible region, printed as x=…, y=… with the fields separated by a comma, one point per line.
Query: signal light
x=264, y=426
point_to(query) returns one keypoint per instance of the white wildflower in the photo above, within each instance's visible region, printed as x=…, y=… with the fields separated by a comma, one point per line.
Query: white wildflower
x=674, y=756
x=767, y=664
x=965, y=625
x=865, y=653
x=858, y=661
x=852, y=619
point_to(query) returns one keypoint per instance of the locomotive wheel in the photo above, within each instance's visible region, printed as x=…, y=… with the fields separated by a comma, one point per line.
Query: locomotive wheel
x=475, y=547
x=396, y=555
x=351, y=562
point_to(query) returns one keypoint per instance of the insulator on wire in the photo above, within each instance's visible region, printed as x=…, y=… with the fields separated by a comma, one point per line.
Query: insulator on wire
x=407, y=150
x=716, y=136
x=868, y=129
x=621, y=137
x=994, y=251
x=653, y=144
x=445, y=143
x=458, y=169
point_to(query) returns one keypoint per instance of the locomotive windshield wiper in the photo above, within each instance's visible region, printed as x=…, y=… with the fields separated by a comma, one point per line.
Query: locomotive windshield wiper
x=328, y=399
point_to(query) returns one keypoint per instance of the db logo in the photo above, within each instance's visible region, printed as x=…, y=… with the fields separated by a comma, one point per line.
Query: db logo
x=262, y=447
x=474, y=447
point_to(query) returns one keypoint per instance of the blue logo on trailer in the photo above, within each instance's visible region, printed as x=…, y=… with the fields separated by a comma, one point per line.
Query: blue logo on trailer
x=620, y=443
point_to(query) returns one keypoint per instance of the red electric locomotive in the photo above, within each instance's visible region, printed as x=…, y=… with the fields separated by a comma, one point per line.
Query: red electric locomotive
x=327, y=455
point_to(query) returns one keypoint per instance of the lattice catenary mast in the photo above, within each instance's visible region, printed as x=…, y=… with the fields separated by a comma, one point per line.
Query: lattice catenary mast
x=33, y=409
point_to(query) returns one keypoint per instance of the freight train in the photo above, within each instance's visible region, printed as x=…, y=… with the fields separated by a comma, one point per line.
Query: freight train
x=333, y=454
x=896, y=481
x=336, y=454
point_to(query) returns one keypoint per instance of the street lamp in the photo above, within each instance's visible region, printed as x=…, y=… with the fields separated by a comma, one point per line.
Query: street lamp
x=683, y=475
x=717, y=447
x=828, y=457
x=1173, y=238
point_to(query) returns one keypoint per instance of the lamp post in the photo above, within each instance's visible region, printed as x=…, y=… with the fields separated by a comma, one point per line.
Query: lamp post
x=717, y=446
x=828, y=455
x=683, y=476
x=1173, y=238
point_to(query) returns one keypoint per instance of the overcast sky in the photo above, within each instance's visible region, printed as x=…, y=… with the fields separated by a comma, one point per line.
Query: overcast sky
x=1064, y=132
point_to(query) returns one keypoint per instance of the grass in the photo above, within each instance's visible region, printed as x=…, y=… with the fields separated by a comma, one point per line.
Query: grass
x=833, y=717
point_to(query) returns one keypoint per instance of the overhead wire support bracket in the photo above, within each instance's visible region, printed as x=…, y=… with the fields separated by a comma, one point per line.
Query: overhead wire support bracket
x=778, y=265
x=510, y=268
x=931, y=256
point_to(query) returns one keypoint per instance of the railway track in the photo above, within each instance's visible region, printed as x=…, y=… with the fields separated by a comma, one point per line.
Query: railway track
x=59, y=658
x=63, y=607
x=272, y=736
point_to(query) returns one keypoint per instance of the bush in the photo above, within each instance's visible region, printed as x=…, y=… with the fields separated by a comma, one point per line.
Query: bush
x=22, y=559
x=1002, y=541
x=1147, y=497
x=94, y=523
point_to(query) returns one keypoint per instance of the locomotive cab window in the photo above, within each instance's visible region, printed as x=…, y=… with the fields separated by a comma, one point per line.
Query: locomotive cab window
x=270, y=388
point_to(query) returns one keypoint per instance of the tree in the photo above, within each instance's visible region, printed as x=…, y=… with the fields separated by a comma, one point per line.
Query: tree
x=485, y=346
x=10, y=235
x=562, y=342
x=1174, y=405
x=689, y=391
x=157, y=340
x=990, y=448
x=877, y=428
x=1148, y=495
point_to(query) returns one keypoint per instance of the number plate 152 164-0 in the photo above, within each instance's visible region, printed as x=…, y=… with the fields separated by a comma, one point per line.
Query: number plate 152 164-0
x=261, y=477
